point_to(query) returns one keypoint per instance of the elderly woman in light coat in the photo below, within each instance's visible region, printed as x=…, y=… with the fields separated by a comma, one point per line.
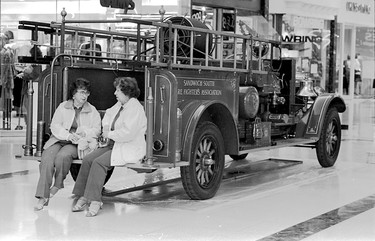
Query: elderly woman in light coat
x=73, y=121
x=124, y=124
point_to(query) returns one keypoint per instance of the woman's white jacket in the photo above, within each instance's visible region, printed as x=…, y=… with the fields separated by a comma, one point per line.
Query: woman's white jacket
x=89, y=119
x=129, y=132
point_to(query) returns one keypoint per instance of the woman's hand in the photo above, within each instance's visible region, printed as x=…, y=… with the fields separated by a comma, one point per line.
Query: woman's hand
x=74, y=138
x=80, y=132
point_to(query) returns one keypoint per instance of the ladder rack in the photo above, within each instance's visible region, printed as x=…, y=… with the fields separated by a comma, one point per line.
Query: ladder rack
x=168, y=46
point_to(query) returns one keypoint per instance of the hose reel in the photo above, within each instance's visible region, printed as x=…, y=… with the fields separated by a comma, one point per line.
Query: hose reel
x=184, y=38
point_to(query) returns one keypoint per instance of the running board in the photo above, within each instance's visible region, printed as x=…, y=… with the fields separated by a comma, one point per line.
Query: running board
x=277, y=144
x=148, y=168
x=137, y=188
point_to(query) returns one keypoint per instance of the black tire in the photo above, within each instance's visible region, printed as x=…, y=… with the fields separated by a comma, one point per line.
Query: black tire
x=328, y=146
x=238, y=157
x=74, y=170
x=202, y=178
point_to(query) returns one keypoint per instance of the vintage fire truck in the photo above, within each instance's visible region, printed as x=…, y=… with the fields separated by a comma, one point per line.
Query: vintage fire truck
x=200, y=105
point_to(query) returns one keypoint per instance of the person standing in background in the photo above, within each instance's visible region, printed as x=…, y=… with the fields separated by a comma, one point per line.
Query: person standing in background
x=346, y=75
x=30, y=73
x=357, y=75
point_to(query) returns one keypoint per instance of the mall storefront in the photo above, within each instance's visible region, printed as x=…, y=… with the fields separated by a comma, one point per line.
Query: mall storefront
x=356, y=20
x=321, y=34
x=306, y=29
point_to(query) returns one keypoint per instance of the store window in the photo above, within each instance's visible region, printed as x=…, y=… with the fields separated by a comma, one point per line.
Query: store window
x=307, y=40
x=365, y=49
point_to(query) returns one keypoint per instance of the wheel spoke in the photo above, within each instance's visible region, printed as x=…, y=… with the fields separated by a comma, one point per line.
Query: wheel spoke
x=199, y=175
x=198, y=158
x=209, y=145
x=205, y=144
x=331, y=138
x=212, y=152
x=329, y=128
x=202, y=178
x=199, y=153
x=206, y=177
x=330, y=149
x=333, y=128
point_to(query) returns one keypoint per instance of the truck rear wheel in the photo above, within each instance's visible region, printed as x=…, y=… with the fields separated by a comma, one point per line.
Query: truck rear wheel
x=202, y=178
x=328, y=146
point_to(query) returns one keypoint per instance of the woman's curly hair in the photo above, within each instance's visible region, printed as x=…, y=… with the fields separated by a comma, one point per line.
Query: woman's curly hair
x=128, y=86
x=79, y=83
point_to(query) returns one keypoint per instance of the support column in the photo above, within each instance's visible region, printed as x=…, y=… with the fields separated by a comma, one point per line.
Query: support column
x=352, y=59
x=341, y=59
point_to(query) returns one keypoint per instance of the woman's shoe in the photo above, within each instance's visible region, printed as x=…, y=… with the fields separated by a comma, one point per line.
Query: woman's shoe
x=53, y=191
x=41, y=203
x=94, y=208
x=80, y=205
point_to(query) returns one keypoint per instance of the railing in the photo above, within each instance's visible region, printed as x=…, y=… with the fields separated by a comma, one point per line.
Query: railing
x=170, y=46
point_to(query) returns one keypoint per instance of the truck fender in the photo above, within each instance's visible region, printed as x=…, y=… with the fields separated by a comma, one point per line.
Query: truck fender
x=194, y=112
x=318, y=113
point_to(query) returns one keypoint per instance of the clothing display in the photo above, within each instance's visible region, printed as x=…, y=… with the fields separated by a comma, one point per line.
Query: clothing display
x=7, y=74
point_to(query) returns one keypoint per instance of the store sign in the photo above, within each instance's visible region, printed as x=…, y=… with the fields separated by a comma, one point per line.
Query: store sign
x=357, y=12
x=306, y=22
x=301, y=39
x=252, y=5
x=358, y=8
x=122, y=4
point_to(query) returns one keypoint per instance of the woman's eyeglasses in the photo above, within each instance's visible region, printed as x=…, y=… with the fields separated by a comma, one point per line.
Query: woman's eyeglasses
x=83, y=92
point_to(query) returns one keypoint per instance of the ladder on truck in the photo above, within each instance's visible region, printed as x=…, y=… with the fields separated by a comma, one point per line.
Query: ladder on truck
x=159, y=46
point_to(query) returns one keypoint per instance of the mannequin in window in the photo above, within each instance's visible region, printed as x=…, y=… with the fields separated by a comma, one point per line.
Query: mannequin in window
x=7, y=74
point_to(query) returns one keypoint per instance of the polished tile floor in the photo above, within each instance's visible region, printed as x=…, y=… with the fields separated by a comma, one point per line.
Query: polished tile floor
x=281, y=194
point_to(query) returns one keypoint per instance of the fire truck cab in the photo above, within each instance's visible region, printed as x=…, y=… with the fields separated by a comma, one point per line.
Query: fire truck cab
x=200, y=104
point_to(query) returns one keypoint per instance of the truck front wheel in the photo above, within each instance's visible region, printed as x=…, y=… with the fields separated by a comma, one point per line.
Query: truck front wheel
x=202, y=178
x=328, y=146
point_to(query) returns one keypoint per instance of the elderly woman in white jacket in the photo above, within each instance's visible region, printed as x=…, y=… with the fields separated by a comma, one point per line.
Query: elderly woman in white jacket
x=124, y=124
x=73, y=121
